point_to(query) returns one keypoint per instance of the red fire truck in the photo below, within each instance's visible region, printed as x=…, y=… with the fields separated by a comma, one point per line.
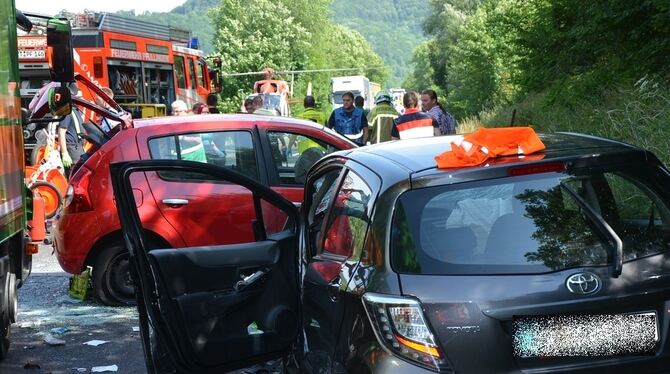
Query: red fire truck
x=146, y=65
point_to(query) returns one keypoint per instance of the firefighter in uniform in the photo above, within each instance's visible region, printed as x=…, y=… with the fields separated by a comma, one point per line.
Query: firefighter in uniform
x=382, y=117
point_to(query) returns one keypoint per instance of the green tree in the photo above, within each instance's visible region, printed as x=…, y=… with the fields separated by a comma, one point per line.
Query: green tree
x=252, y=35
x=422, y=76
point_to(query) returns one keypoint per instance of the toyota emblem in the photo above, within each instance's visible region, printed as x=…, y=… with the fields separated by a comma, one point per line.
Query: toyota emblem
x=583, y=283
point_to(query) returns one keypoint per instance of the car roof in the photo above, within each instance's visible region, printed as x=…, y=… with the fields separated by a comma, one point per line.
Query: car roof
x=232, y=118
x=419, y=154
x=267, y=120
x=195, y=118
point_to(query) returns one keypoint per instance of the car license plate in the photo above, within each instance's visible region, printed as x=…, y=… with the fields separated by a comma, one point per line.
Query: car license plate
x=585, y=335
x=31, y=54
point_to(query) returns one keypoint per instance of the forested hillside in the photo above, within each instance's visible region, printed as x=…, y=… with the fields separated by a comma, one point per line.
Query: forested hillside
x=391, y=27
x=599, y=67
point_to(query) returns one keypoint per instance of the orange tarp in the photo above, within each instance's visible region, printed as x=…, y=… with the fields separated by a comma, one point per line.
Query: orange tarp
x=487, y=143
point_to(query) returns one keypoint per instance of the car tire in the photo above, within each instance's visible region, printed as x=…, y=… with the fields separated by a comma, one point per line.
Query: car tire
x=111, y=280
x=5, y=318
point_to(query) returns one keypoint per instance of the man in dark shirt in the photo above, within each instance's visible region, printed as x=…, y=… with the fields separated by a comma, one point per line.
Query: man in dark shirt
x=349, y=120
x=69, y=139
x=213, y=103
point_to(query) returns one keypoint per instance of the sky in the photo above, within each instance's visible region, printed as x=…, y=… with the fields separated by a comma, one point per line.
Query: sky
x=50, y=7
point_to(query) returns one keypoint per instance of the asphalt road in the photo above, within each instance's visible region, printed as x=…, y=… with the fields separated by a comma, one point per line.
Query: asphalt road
x=45, y=305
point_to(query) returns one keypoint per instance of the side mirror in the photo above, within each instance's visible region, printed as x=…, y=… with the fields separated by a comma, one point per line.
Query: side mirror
x=60, y=101
x=22, y=22
x=59, y=52
x=25, y=117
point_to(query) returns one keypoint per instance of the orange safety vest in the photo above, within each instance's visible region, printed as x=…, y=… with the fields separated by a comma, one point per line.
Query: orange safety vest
x=474, y=149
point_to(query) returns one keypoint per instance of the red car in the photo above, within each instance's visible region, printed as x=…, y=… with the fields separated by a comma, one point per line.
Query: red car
x=276, y=151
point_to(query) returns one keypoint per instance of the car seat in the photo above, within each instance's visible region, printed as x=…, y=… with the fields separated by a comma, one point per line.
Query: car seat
x=302, y=165
x=511, y=235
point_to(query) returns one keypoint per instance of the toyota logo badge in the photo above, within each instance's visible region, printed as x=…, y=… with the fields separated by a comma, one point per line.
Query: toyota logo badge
x=583, y=283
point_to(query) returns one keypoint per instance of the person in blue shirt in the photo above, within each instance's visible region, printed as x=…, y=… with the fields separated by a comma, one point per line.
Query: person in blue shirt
x=349, y=120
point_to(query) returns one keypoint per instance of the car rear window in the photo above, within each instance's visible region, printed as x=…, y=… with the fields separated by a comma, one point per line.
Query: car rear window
x=530, y=224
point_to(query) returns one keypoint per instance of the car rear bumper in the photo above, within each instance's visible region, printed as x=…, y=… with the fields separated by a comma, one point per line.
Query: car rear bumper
x=380, y=361
x=74, y=235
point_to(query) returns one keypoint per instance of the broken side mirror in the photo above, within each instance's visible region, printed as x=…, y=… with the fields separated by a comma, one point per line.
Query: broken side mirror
x=59, y=51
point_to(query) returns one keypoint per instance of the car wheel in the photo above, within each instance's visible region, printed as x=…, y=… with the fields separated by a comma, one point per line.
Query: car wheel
x=6, y=320
x=111, y=279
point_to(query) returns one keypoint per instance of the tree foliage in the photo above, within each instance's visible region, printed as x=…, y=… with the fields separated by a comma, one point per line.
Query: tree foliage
x=393, y=29
x=496, y=52
x=252, y=35
x=286, y=35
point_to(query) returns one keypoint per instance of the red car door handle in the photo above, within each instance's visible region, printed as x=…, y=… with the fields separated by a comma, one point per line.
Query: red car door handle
x=175, y=202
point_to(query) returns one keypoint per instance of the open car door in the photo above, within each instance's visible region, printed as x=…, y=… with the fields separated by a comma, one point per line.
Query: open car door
x=214, y=308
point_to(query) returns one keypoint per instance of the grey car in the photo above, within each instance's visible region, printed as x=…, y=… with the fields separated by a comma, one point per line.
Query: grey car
x=551, y=262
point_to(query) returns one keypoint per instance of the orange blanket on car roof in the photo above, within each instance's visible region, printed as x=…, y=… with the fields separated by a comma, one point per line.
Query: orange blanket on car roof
x=484, y=144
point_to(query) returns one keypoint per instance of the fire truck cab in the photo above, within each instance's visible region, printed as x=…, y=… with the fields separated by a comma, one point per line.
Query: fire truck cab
x=147, y=66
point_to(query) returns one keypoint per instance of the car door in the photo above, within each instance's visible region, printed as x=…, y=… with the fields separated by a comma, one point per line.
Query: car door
x=336, y=216
x=186, y=200
x=214, y=308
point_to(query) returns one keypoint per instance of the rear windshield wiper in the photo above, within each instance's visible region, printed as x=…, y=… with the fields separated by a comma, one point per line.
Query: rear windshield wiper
x=604, y=228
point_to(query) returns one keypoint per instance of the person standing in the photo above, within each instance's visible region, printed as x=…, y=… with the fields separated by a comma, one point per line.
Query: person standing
x=70, y=135
x=359, y=101
x=445, y=121
x=179, y=108
x=200, y=108
x=413, y=123
x=257, y=106
x=349, y=120
x=381, y=118
x=213, y=103
x=106, y=124
x=248, y=105
x=310, y=113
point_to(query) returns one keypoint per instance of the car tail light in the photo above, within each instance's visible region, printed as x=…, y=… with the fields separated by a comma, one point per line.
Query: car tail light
x=401, y=327
x=77, y=198
x=553, y=167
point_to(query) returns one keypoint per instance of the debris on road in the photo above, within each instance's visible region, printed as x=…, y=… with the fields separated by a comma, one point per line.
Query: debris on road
x=59, y=330
x=136, y=328
x=51, y=340
x=95, y=343
x=102, y=369
x=31, y=366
